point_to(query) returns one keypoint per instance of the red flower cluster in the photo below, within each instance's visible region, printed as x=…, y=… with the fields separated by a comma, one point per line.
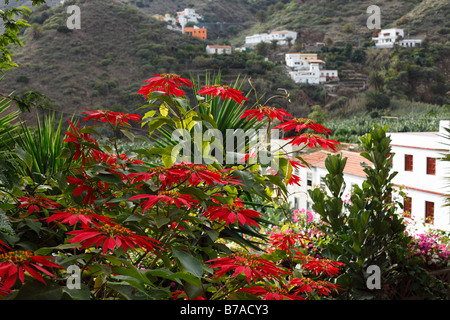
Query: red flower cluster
x=321, y=266
x=168, y=83
x=225, y=92
x=91, y=188
x=169, y=197
x=193, y=174
x=300, y=124
x=271, y=293
x=74, y=215
x=111, y=236
x=269, y=112
x=308, y=285
x=35, y=203
x=312, y=140
x=286, y=240
x=111, y=117
x=83, y=143
x=253, y=267
x=230, y=213
x=14, y=264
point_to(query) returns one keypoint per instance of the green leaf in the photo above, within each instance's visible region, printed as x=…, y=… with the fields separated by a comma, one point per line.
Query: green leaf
x=160, y=221
x=189, y=263
x=79, y=294
x=24, y=156
x=36, y=290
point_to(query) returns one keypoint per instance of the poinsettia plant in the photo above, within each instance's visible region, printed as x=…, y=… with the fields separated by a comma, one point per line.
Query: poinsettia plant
x=136, y=228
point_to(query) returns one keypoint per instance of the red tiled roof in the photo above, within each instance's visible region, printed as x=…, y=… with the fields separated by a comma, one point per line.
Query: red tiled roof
x=353, y=165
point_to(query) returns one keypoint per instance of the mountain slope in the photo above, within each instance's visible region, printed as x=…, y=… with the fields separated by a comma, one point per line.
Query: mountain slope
x=346, y=20
x=102, y=64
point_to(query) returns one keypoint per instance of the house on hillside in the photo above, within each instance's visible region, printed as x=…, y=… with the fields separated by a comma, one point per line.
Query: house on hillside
x=299, y=61
x=282, y=37
x=217, y=49
x=200, y=33
x=188, y=15
x=315, y=75
x=388, y=38
x=422, y=175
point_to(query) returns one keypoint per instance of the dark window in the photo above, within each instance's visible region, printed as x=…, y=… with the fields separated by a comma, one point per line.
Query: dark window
x=408, y=162
x=429, y=212
x=407, y=205
x=431, y=166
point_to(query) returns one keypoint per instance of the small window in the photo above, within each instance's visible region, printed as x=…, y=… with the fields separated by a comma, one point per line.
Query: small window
x=431, y=166
x=322, y=183
x=408, y=162
x=407, y=206
x=309, y=179
x=429, y=212
x=296, y=203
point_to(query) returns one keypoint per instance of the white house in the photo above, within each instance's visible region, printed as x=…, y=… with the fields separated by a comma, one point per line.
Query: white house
x=188, y=15
x=299, y=61
x=313, y=177
x=282, y=37
x=216, y=49
x=410, y=43
x=388, y=38
x=422, y=176
x=314, y=75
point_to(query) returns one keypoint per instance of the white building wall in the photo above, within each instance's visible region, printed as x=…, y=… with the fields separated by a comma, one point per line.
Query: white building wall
x=417, y=184
x=280, y=36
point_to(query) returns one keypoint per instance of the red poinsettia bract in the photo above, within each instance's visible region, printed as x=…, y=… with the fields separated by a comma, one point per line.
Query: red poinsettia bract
x=286, y=240
x=253, y=267
x=269, y=112
x=312, y=140
x=230, y=213
x=90, y=188
x=74, y=215
x=82, y=142
x=189, y=173
x=308, y=285
x=321, y=265
x=271, y=293
x=169, y=197
x=111, y=236
x=225, y=92
x=14, y=264
x=299, y=124
x=169, y=83
x=35, y=203
x=112, y=117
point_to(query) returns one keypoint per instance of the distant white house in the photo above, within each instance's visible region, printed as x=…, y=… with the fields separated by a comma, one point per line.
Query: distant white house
x=299, y=61
x=182, y=18
x=217, y=49
x=388, y=38
x=315, y=75
x=422, y=176
x=282, y=37
x=188, y=15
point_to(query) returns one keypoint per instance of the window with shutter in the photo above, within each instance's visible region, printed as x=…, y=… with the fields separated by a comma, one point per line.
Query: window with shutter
x=431, y=166
x=407, y=206
x=429, y=212
x=408, y=162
